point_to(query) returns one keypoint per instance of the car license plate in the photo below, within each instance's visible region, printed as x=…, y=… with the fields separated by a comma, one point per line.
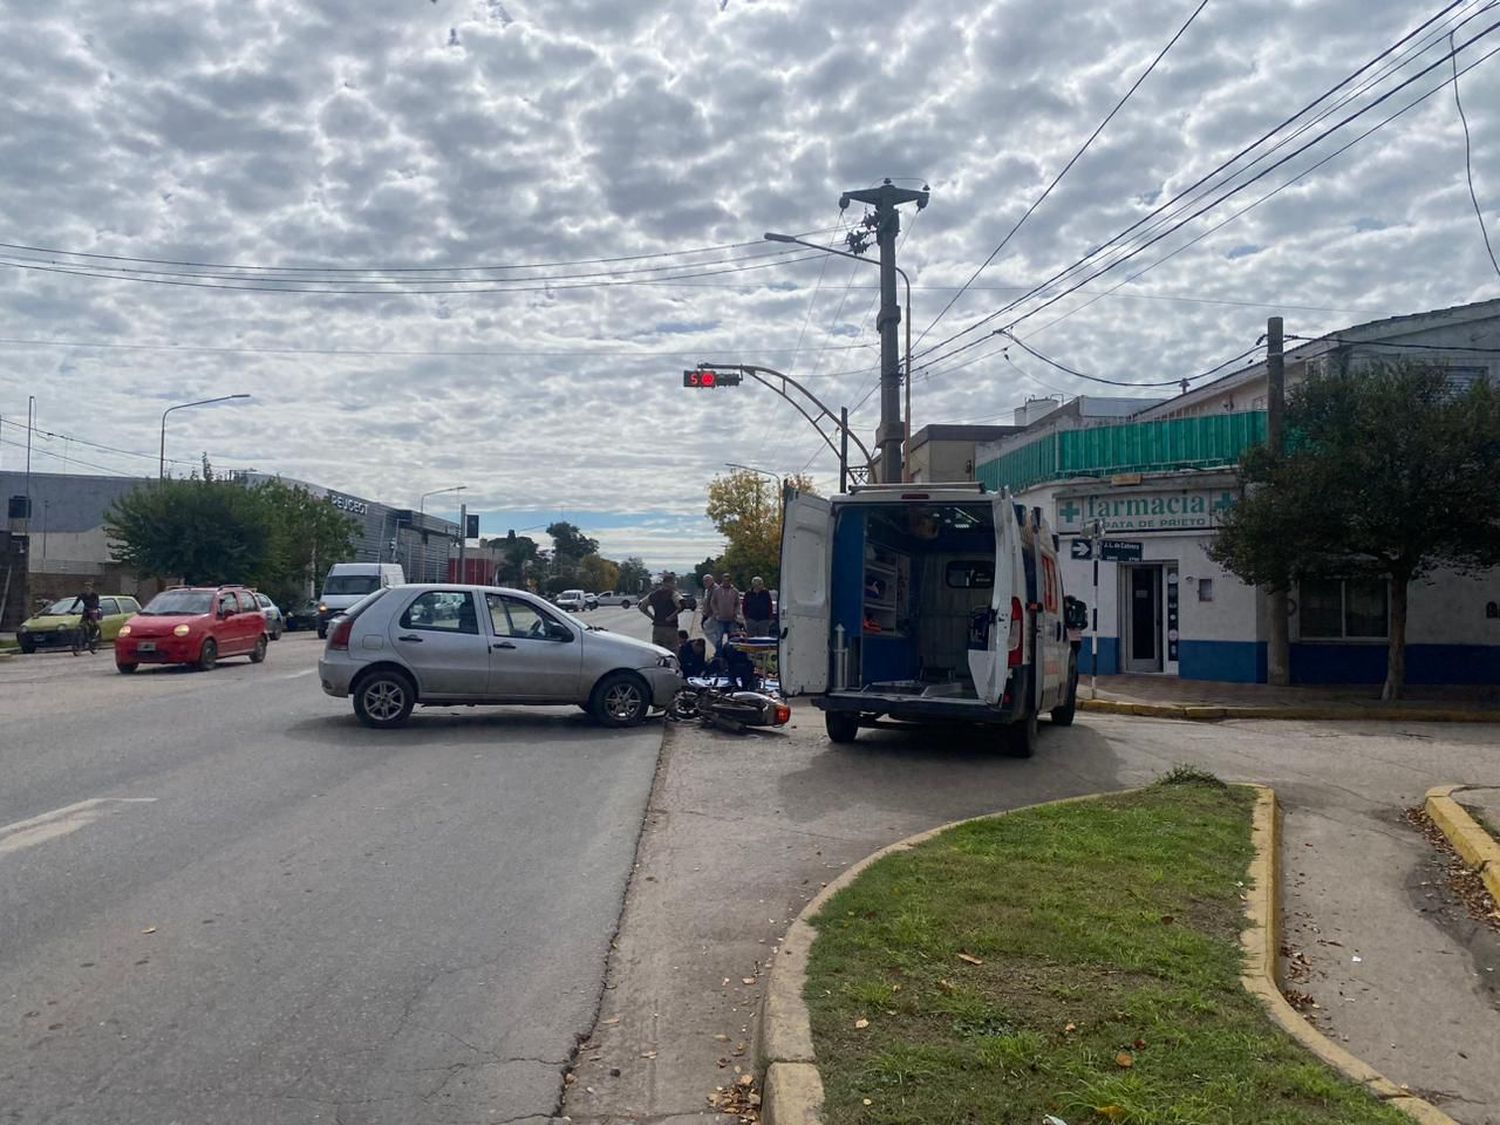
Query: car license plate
x=146, y=646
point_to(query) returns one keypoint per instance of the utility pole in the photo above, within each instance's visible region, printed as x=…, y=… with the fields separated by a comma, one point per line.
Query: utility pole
x=886, y=222
x=1278, y=645
x=843, y=449
x=463, y=540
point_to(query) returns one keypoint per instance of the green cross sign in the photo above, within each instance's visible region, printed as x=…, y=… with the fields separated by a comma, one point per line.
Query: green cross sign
x=1069, y=511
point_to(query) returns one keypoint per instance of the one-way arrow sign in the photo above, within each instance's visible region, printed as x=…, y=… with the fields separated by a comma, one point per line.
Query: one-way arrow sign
x=1083, y=549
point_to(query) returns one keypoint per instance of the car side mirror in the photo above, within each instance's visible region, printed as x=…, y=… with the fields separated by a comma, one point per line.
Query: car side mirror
x=557, y=631
x=1076, y=614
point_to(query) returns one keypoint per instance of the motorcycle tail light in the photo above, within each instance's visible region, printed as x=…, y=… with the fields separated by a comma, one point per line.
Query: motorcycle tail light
x=783, y=714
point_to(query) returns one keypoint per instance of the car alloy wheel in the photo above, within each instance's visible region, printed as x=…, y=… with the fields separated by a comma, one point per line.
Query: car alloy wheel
x=208, y=655
x=258, y=654
x=621, y=700
x=384, y=699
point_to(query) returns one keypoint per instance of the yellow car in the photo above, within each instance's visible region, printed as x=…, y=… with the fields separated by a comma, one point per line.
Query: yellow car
x=54, y=626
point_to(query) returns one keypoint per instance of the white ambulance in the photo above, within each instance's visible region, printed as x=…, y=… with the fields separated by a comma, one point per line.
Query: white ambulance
x=919, y=603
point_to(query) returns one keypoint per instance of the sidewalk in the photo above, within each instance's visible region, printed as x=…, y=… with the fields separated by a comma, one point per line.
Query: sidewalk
x=743, y=830
x=1171, y=697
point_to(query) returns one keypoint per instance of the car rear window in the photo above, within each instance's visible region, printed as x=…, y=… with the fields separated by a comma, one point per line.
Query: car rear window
x=173, y=603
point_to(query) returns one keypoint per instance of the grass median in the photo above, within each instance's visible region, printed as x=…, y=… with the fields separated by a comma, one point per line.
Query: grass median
x=1077, y=960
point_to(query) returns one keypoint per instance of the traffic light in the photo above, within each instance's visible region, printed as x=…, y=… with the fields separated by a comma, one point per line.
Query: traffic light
x=471, y=527
x=706, y=379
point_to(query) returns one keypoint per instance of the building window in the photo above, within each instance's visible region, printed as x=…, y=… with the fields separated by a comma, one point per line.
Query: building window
x=1205, y=589
x=1353, y=609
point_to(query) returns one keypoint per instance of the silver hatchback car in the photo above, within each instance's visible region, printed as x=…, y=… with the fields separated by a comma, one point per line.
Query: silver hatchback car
x=445, y=644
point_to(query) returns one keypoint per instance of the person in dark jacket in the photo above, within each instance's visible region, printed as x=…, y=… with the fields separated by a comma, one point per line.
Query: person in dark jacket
x=691, y=654
x=758, y=609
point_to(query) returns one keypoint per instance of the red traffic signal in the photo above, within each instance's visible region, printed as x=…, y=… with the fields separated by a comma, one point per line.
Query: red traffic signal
x=710, y=379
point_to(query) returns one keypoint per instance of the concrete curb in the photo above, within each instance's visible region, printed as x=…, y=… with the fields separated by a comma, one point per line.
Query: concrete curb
x=1477, y=847
x=793, y=1088
x=1311, y=713
x=1261, y=940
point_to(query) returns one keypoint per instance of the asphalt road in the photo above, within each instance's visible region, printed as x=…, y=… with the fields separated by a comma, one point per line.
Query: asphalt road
x=223, y=900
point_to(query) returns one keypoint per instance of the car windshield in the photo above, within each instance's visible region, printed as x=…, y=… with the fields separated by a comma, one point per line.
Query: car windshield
x=62, y=607
x=351, y=584
x=185, y=603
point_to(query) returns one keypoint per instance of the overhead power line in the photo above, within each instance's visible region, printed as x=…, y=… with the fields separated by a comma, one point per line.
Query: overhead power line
x=1205, y=179
x=1469, y=158
x=76, y=440
x=1065, y=169
x=1182, y=382
x=383, y=269
x=1127, y=256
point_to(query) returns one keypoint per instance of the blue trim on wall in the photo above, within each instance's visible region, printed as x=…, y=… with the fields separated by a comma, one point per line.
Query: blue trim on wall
x=1109, y=656
x=1238, y=662
x=1365, y=664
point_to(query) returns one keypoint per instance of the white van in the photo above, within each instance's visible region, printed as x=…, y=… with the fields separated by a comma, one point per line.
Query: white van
x=348, y=582
x=926, y=603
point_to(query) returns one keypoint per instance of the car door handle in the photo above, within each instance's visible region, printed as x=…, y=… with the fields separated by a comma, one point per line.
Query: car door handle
x=410, y=637
x=503, y=644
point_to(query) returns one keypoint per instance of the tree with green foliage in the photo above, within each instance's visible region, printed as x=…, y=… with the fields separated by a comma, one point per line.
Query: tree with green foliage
x=634, y=577
x=206, y=531
x=745, y=509
x=1389, y=473
x=569, y=542
x=518, y=555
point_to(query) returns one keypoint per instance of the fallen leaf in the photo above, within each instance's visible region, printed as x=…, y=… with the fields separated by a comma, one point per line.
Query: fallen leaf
x=722, y=1038
x=1069, y=1028
x=868, y=1102
x=569, y=1078
x=747, y=980
x=1138, y=1044
x=861, y=1023
x=612, y=1019
x=648, y=1054
x=1125, y=1059
x=746, y=1079
x=149, y=930
x=1166, y=920
x=1113, y=1112
x=945, y=986
x=971, y=959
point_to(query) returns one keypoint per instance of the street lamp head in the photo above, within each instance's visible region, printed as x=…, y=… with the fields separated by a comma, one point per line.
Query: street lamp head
x=772, y=236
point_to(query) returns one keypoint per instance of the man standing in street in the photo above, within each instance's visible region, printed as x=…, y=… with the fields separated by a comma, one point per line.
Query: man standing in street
x=704, y=616
x=758, y=609
x=662, y=605
x=723, y=611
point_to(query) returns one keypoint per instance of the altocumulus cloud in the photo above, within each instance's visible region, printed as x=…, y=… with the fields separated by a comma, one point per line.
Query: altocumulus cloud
x=459, y=133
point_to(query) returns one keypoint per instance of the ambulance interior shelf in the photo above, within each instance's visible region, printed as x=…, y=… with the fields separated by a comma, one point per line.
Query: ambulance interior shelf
x=886, y=591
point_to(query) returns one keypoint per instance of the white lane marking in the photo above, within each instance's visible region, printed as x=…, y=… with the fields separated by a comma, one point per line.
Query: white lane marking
x=294, y=675
x=59, y=822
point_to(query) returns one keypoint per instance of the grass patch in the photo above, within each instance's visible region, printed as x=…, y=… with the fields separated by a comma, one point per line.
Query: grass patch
x=1108, y=988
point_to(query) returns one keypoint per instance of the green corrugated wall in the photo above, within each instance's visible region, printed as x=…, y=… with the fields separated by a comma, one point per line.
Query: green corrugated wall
x=1134, y=447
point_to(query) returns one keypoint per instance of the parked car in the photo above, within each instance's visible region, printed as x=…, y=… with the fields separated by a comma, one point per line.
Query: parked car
x=609, y=597
x=302, y=615
x=275, y=621
x=346, y=583
x=572, y=600
x=54, y=625
x=440, y=644
x=197, y=625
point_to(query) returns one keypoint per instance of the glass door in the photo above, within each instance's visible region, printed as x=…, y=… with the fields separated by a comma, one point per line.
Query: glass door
x=1142, y=624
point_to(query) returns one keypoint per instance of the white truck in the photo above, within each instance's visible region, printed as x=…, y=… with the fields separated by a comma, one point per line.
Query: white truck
x=924, y=603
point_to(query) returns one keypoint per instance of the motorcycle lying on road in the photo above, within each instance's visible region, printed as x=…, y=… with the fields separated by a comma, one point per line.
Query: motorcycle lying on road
x=729, y=709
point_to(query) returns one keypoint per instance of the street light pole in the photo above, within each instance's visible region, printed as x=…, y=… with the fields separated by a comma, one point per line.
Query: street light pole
x=780, y=484
x=772, y=236
x=421, y=511
x=161, y=468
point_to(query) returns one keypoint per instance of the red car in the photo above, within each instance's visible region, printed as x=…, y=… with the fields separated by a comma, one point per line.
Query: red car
x=195, y=625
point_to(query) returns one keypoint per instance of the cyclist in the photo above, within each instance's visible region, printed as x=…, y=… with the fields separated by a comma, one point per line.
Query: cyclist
x=87, y=605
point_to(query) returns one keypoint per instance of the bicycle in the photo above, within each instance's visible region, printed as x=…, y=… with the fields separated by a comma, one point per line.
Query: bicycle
x=86, y=634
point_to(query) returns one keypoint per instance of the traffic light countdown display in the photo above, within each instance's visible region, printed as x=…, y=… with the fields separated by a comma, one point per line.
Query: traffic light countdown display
x=708, y=380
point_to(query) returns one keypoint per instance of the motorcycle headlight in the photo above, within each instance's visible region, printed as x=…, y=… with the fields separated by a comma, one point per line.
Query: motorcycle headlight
x=181, y=631
x=124, y=630
x=322, y=608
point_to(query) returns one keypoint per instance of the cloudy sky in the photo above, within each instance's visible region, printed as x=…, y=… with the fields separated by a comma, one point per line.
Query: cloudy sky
x=346, y=146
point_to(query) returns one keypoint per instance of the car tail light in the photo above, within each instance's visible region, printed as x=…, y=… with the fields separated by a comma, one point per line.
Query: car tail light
x=339, y=638
x=1014, y=660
